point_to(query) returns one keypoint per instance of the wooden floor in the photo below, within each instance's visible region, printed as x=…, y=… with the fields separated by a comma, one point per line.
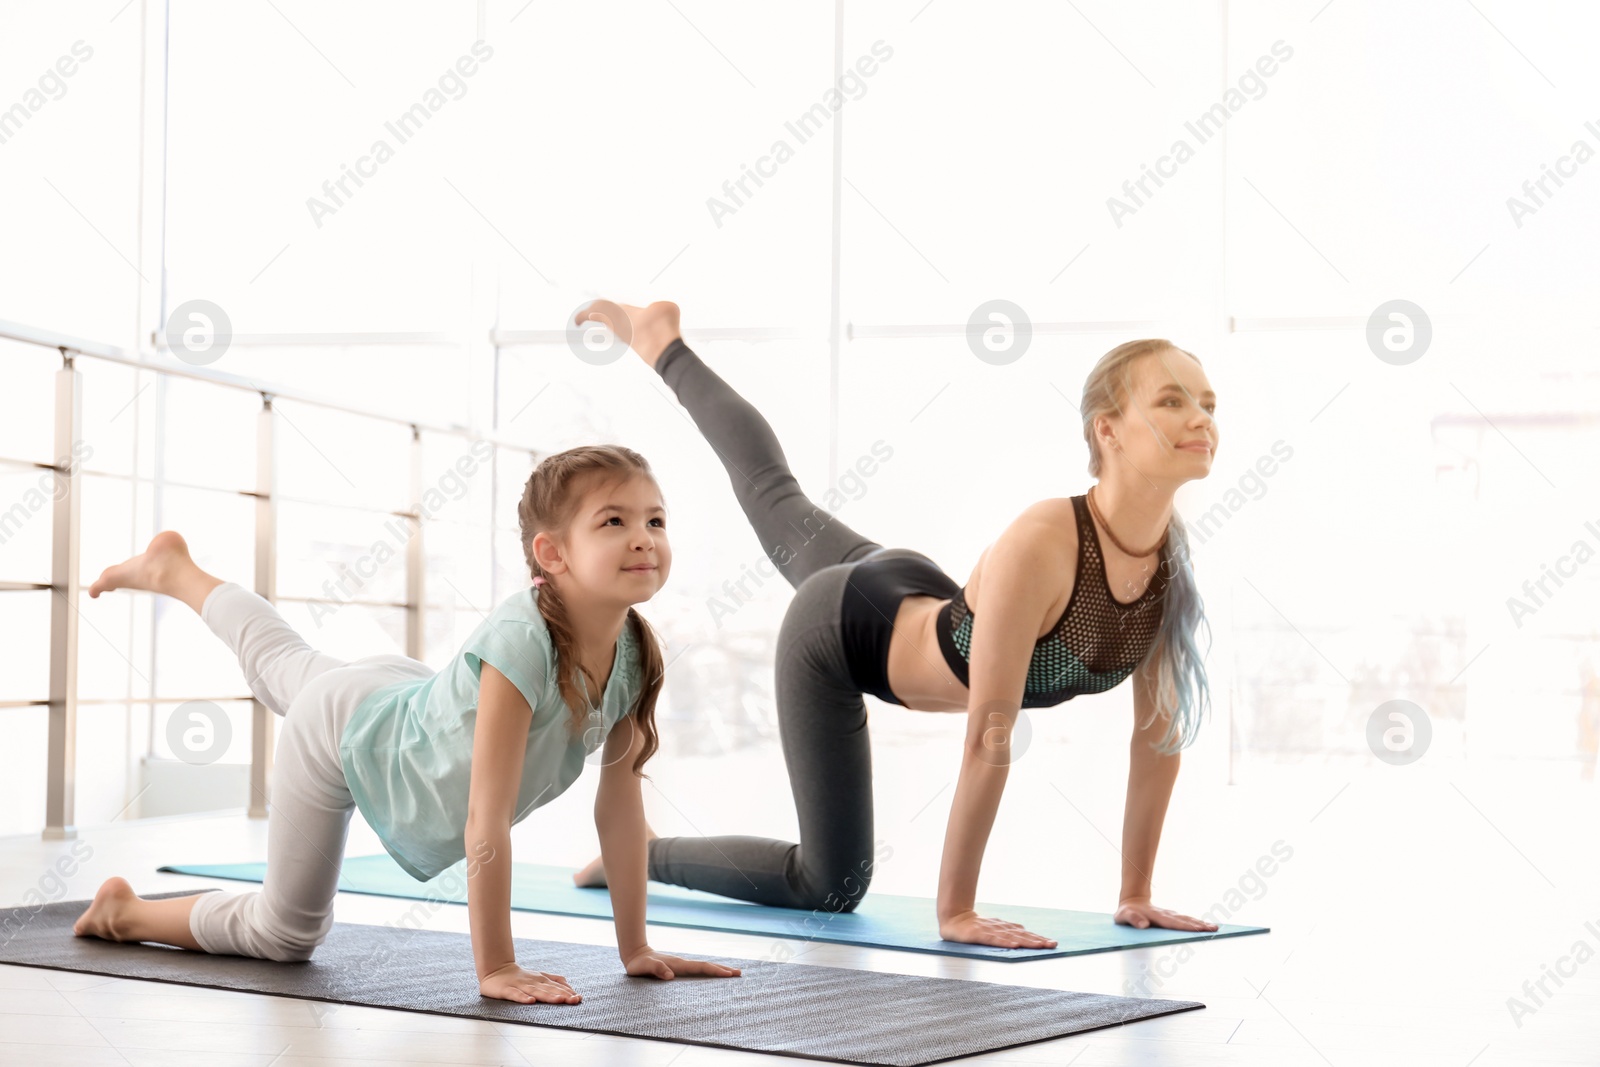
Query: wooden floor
x=1414, y=907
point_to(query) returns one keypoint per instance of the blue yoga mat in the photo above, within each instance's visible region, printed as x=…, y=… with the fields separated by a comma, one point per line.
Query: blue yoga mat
x=879, y=921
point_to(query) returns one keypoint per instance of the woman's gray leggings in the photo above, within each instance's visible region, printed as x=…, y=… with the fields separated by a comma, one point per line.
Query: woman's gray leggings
x=822, y=719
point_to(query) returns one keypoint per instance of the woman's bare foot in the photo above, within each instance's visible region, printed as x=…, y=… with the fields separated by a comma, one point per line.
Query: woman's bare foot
x=165, y=566
x=105, y=914
x=594, y=875
x=646, y=330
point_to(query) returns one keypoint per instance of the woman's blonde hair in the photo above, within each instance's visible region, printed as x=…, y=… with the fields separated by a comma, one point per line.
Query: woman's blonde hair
x=549, y=503
x=1182, y=691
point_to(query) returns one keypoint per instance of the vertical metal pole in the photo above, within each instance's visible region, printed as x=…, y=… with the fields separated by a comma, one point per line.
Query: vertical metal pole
x=62, y=752
x=494, y=484
x=1233, y=683
x=261, y=732
x=836, y=224
x=416, y=571
x=152, y=167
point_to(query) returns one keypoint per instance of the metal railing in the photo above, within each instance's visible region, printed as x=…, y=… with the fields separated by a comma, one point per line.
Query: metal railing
x=63, y=701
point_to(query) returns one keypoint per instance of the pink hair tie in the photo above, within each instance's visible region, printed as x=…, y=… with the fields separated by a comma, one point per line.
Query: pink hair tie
x=540, y=580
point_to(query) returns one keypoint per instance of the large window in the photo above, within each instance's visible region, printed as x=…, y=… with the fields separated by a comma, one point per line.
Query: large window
x=404, y=222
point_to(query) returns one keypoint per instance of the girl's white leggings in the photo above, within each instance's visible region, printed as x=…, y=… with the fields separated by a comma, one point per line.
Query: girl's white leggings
x=310, y=808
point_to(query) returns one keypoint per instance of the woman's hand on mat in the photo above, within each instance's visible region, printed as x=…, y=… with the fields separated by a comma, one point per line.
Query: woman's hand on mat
x=973, y=929
x=648, y=963
x=527, y=987
x=1139, y=912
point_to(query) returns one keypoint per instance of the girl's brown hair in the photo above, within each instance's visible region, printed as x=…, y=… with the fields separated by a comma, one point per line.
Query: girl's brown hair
x=549, y=502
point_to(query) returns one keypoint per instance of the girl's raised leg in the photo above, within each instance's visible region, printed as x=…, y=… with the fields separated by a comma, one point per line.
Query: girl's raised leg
x=277, y=662
x=307, y=825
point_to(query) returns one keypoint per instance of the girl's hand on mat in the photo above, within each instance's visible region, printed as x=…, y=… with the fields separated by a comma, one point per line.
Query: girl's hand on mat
x=1143, y=914
x=648, y=963
x=972, y=929
x=527, y=987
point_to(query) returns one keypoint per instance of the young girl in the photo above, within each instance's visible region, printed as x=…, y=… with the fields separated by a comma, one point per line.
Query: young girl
x=443, y=765
x=1037, y=624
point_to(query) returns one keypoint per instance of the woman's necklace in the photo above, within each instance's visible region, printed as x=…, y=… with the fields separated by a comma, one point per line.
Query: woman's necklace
x=1095, y=510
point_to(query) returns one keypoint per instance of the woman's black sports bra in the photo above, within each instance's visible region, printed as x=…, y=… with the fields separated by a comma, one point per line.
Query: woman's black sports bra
x=1097, y=642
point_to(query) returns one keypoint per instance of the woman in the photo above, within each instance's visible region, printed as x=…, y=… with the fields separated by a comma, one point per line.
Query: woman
x=1037, y=623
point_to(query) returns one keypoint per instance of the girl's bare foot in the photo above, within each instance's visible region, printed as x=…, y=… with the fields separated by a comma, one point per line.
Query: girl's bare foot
x=104, y=917
x=117, y=913
x=647, y=330
x=593, y=876
x=165, y=566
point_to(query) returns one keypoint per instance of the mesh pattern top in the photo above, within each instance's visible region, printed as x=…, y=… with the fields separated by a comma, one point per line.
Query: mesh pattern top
x=1097, y=642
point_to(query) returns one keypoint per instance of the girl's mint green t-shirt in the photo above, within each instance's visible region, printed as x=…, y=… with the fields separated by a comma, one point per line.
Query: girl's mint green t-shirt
x=407, y=750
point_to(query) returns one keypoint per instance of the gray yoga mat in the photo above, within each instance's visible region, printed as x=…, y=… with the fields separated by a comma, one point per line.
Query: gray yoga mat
x=790, y=1009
